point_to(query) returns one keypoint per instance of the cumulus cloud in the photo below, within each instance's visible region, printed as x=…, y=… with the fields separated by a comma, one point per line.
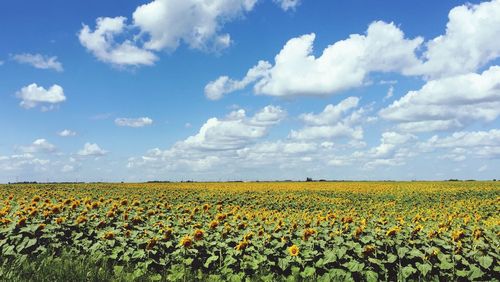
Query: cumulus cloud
x=464, y=48
x=483, y=144
x=393, y=150
x=164, y=25
x=101, y=43
x=66, y=133
x=196, y=23
x=91, y=149
x=33, y=95
x=342, y=65
x=236, y=130
x=216, y=89
x=448, y=103
x=288, y=4
x=467, y=44
x=216, y=141
x=38, y=146
x=39, y=61
x=332, y=122
x=134, y=122
x=22, y=162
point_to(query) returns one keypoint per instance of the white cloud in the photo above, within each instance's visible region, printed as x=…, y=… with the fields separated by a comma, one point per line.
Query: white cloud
x=216, y=142
x=288, y=4
x=393, y=150
x=101, y=43
x=1, y=63
x=33, y=95
x=134, y=122
x=67, y=168
x=448, y=103
x=66, y=133
x=163, y=25
x=468, y=43
x=482, y=144
x=235, y=131
x=341, y=66
x=390, y=93
x=39, y=61
x=38, y=146
x=92, y=149
x=196, y=23
x=216, y=89
x=332, y=113
x=332, y=122
x=22, y=162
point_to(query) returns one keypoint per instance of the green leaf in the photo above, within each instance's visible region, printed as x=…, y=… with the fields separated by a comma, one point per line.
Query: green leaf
x=210, y=260
x=188, y=261
x=445, y=265
x=475, y=272
x=371, y=276
x=283, y=264
x=416, y=253
x=156, y=277
x=485, y=261
x=402, y=251
x=295, y=270
x=308, y=272
x=341, y=252
x=330, y=257
x=391, y=258
x=118, y=269
x=424, y=268
x=139, y=254
x=355, y=266
x=407, y=271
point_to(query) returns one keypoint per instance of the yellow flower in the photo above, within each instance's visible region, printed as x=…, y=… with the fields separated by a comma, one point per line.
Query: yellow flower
x=186, y=241
x=242, y=245
x=21, y=222
x=368, y=250
x=81, y=219
x=457, y=235
x=308, y=233
x=393, y=231
x=294, y=250
x=214, y=224
x=109, y=235
x=151, y=243
x=198, y=234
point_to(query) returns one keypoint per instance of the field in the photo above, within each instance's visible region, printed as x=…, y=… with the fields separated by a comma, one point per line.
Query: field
x=327, y=231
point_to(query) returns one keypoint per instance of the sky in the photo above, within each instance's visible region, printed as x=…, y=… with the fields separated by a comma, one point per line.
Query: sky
x=218, y=90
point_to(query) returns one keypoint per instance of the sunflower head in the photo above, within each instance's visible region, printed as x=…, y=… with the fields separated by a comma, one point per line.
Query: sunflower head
x=294, y=250
x=186, y=241
x=198, y=234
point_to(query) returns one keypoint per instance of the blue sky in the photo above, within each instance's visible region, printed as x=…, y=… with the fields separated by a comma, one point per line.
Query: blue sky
x=249, y=89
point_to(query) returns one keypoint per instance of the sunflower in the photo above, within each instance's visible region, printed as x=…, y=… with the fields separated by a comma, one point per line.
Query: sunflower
x=393, y=231
x=186, y=241
x=242, y=245
x=109, y=235
x=21, y=222
x=214, y=224
x=151, y=243
x=294, y=250
x=308, y=233
x=457, y=235
x=59, y=220
x=198, y=234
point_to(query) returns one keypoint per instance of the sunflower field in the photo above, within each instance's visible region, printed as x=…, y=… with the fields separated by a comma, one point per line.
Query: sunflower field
x=265, y=231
